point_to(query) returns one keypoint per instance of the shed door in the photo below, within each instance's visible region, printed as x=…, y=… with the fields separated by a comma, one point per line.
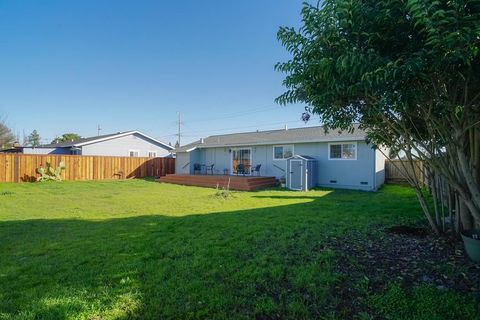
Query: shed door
x=296, y=175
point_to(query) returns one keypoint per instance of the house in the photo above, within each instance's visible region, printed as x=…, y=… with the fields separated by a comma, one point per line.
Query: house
x=341, y=159
x=128, y=144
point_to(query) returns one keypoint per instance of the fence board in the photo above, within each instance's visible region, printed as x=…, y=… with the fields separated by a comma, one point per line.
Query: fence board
x=396, y=172
x=22, y=167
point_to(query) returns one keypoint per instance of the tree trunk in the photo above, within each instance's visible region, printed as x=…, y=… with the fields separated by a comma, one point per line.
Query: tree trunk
x=457, y=214
x=426, y=210
x=471, y=182
x=465, y=216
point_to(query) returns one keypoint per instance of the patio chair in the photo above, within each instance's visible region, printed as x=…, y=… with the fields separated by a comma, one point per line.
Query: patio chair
x=256, y=170
x=197, y=167
x=240, y=169
x=209, y=168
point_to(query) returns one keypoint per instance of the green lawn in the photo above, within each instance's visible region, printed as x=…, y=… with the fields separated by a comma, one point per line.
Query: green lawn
x=139, y=249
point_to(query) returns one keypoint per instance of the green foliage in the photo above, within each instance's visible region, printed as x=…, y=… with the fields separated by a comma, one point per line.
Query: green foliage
x=408, y=71
x=67, y=137
x=34, y=139
x=49, y=173
x=361, y=61
x=6, y=136
x=424, y=302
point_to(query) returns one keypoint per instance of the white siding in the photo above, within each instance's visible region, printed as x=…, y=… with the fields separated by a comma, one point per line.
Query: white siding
x=121, y=147
x=380, y=159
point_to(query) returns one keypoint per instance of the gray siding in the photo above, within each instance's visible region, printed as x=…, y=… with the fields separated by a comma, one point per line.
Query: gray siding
x=182, y=163
x=121, y=147
x=348, y=174
x=185, y=160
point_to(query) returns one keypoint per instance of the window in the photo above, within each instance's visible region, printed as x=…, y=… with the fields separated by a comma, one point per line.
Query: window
x=133, y=153
x=282, y=152
x=152, y=154
x=342, y=151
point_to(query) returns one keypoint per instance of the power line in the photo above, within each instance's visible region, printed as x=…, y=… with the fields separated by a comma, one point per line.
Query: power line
x=244, y=127
x=236, y=114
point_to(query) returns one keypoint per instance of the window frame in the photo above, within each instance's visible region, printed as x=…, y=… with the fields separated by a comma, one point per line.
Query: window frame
x=283, y=146
x=135, y=151
x=341, y=150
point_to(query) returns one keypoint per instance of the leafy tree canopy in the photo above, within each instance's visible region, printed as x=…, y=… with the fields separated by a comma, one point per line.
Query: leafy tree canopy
x=67, y=137
x=368, y=60
x=6, y=136
x=34, y=139
x=408, y=71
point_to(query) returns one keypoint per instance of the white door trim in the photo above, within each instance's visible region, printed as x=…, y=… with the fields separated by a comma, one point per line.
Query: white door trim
x=290, y=173
x=231, y=159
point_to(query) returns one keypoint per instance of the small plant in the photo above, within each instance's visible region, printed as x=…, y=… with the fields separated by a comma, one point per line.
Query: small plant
x=224, y=192
x=48, y=173
x=6, y=193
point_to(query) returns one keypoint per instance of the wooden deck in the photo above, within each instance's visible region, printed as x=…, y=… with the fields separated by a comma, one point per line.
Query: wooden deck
x=244, y=183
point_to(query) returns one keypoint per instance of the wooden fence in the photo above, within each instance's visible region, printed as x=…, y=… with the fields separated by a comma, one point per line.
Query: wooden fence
x=395, y=171
x=22, y=167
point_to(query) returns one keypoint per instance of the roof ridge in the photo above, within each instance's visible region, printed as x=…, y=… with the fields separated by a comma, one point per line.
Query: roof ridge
x=264, y=131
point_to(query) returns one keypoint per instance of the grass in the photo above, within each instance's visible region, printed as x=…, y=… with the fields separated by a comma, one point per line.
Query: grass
x=143, y=250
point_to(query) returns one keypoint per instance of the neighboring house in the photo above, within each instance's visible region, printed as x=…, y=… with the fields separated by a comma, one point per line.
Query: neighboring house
x=343, y=159
x=128, y=144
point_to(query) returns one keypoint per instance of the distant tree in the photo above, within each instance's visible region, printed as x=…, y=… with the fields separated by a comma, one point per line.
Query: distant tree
x=34, y=139
x=67, y=137
x=6, y=136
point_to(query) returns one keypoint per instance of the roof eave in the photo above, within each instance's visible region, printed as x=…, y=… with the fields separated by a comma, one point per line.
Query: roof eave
x=123, y=134
x=281, y=142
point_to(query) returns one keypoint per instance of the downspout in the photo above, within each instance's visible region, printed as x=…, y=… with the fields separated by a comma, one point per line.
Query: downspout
x=306, y=175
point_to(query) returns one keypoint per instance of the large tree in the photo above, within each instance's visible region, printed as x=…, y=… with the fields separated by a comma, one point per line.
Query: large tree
x=407, y=71
x=66, y=137
x=6, y=136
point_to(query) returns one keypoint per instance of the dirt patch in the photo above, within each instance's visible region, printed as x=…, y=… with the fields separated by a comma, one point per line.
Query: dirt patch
x=409, y=255
x=408, y=231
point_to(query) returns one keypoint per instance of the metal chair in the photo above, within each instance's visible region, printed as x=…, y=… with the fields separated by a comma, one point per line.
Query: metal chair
x=256, y=169
x=197, y=167
x=209, y=168
x=240, y=169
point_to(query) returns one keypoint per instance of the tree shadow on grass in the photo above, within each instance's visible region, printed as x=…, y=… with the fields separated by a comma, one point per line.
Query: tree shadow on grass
x=265, y=263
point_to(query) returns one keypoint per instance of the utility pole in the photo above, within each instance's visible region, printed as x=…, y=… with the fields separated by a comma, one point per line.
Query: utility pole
x=98, y=130
x=179, y=123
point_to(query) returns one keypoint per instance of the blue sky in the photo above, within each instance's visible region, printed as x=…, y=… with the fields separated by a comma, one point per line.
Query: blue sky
x=67, y=66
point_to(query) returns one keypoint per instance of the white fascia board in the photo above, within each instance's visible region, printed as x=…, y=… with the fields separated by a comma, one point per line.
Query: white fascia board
x=123, y=134
x=283, y=142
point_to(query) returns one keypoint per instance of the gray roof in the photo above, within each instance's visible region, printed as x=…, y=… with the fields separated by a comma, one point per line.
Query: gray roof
x=86, y=141
x=295, y=135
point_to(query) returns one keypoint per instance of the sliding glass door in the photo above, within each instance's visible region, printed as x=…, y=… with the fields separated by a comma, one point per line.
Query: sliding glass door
x=241, y=161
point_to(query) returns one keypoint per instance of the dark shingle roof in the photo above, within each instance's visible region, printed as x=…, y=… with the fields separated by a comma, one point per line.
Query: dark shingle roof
x=295, y=135
x=67, y=144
